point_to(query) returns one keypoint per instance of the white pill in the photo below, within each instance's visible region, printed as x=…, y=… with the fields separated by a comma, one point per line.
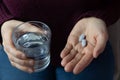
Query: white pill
x=84, y=43
x=81, y=37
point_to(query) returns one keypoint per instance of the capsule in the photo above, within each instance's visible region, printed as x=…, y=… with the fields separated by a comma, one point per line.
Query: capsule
x=81, y=37
x=84, y=42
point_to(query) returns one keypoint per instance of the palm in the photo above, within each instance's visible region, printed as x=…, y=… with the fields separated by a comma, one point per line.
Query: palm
x=75, y=57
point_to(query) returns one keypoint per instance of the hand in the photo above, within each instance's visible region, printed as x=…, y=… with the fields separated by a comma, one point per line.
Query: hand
x=16, y=57
x=75, y=57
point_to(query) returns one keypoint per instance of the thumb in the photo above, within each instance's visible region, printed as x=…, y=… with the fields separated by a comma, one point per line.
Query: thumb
x=100, y=45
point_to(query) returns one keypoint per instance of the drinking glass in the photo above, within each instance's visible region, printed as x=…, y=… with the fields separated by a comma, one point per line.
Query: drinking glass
x=33, y=39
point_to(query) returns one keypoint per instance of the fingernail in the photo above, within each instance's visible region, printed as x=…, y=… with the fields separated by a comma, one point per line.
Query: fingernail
x=23, y=56
x=95, y=56
x=63, y=63
x=31, y=62
x=30, y=70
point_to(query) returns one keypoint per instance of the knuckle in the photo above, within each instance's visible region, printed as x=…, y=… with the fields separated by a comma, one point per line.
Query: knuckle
x=11, y=58
x=85, y=61
x=26, y=69
x=23, y=62
x=23, y=68
x=15, y=53
x=20, y=62
x=18, y=55
x=7, y=49
x=64, y=60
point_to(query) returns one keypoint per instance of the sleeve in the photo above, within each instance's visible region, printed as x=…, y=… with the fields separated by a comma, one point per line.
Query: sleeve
x=4, y=13
x=108, y=12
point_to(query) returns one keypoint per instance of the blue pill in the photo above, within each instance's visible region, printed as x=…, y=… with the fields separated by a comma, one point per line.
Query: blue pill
x=84, y=42
x=81, y=37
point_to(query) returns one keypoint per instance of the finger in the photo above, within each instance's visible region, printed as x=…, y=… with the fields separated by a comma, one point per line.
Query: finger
x=70, y=66
x=100, y=45
x=85, y=60
x=76, y=56
x=13, y=51
x=27, y=62
x=69, y=57
x=83, y=63
x=10, y=48
x=79, y=47
x=7, y=38
x=66, y=50
x=23, y=68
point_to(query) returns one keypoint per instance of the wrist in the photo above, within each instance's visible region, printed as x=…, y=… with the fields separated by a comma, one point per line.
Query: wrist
x=93, y=19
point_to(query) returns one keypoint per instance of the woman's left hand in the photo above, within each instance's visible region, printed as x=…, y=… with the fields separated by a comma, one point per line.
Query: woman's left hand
x=75, y=58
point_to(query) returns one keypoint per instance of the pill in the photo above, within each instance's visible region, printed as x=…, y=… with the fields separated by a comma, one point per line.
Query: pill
x=84, y=42
x=81, y=37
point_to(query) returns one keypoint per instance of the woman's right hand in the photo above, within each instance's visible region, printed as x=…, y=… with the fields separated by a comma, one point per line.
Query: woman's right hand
x=16, y=57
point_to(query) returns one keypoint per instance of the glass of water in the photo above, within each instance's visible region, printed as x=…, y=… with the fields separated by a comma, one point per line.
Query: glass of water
x=33, y=39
